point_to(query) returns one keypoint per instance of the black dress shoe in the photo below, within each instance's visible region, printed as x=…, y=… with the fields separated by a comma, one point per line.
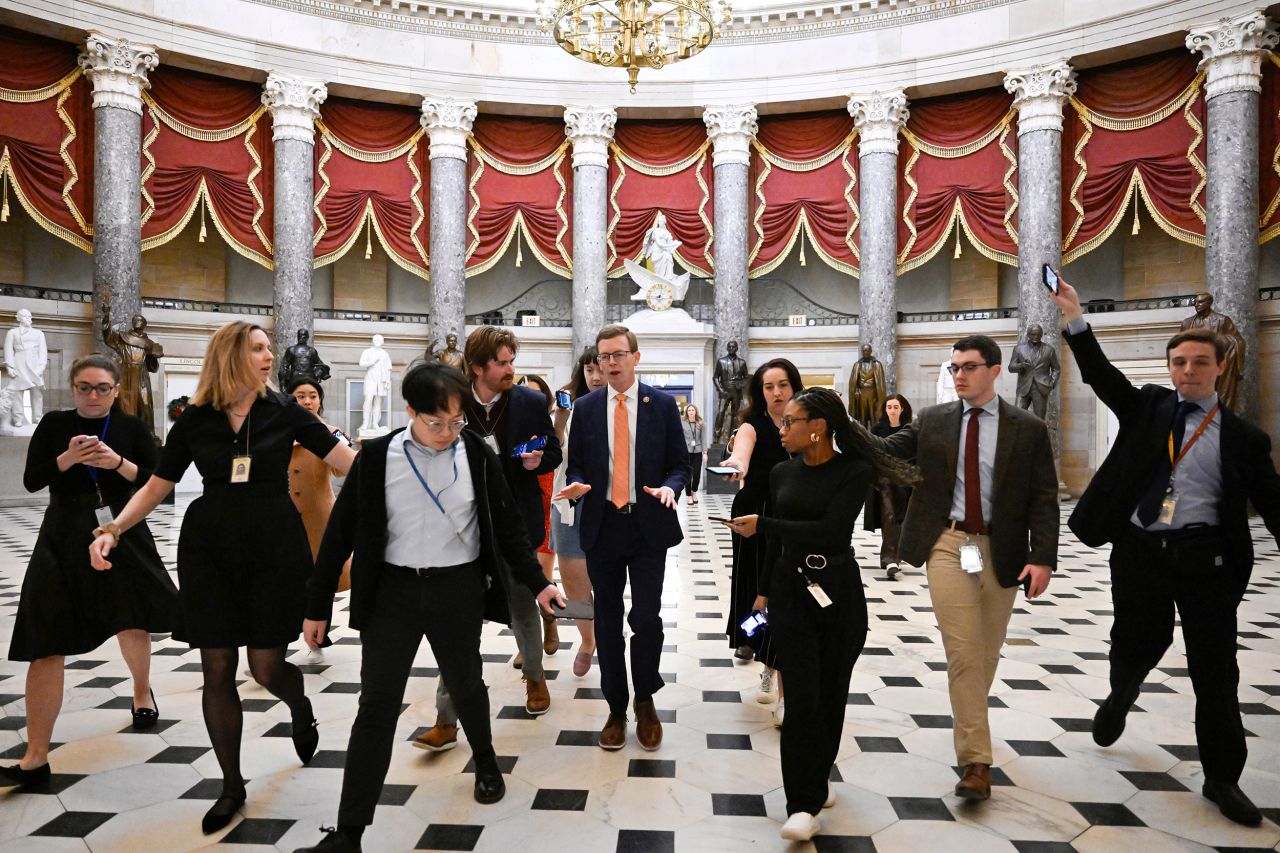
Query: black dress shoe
x=1108, y=723
x=306, y=737
x=1232, y=802
x=489, y=784
x=146, y=718
x=16, y=775
x=222, y=812
x=335, y=841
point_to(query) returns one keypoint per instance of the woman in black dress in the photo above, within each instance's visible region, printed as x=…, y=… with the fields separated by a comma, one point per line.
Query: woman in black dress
x=756, y=449
x=811, y=589
x=91, y=456
x=887, y=501
x=243, y=556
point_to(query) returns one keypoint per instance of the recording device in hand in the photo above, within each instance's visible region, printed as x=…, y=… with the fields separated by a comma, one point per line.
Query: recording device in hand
x=753, y=623
x=563, y=399
x=722, y=469
x=574, y=609
x=1050, y=279
x=530, y=445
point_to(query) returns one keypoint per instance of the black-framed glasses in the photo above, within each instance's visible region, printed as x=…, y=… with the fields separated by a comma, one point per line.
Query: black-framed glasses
x=786, y=423
x=102, y=389
x=968, y=367
x=606, y=357
x=438, y=427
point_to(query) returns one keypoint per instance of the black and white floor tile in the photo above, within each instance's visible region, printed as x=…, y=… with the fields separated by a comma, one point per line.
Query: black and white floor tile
x=715, y=784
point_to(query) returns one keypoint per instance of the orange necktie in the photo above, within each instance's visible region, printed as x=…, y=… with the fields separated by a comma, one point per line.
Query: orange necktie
x=621, y=489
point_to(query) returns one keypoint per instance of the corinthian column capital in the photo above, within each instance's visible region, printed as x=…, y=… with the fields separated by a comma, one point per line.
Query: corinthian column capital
x=590, y=129
x=1232, y=50
x=294, y=105
x=879, y=116
x=448, y=123
x=1039, y=93
x=731, y=129
x=118, y=69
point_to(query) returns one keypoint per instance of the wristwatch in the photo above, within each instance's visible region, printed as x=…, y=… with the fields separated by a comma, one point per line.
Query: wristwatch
x=110, y=527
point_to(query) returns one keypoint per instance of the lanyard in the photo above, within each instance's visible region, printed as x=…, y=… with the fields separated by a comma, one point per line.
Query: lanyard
x=434, y=497
x=1200, y=429
x=93, y=472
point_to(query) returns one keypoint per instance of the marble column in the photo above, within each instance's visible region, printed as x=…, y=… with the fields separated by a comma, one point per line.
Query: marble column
x=294, y=105
x=1039, y=94
x=731, y=129
x=879, y=116
x=448, y=123
x=118, y=70
x=1233, y=51
x=590, y=129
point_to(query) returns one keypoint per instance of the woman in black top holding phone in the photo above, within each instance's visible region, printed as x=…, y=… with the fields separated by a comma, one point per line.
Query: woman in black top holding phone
x=815, y=604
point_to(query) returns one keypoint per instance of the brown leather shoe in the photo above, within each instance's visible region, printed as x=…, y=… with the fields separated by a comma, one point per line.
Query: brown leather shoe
x=648, y=726
x=975, y=784
x=438, y=738
x=614, y=733
x=550, y=636
x=537, y=698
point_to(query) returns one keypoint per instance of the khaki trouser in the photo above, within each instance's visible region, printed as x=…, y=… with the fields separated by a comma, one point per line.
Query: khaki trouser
x=973, y=614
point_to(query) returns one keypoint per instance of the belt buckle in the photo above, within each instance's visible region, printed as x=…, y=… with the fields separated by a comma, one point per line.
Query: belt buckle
x=817, y=562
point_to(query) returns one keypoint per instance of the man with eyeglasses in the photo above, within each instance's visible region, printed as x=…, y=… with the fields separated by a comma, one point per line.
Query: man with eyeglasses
x=430, y=518
x=627, y=464
x=983, y=519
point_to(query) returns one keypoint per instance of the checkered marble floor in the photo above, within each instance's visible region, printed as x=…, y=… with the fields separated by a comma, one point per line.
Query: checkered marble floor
x=715, y=784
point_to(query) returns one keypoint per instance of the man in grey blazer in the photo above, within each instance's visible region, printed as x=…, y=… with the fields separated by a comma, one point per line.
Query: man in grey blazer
x=983, y=519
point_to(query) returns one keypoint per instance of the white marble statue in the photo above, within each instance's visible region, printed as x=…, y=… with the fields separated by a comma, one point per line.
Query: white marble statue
x=659, y=248
x=377, y=384
x=25, y=358
x=946, y=385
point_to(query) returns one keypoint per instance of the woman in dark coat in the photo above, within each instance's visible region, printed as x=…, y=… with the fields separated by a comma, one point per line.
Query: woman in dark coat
x=887, y=502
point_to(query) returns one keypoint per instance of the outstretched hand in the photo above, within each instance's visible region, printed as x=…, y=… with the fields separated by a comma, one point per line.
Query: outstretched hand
x=571, y=492
x=664, y=494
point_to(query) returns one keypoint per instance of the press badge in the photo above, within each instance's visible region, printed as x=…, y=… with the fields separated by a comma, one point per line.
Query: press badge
x=103, y=514
x=971, y=557
x=493, y=443
x=240, y=469
x=819, y=595
x=1167, y=506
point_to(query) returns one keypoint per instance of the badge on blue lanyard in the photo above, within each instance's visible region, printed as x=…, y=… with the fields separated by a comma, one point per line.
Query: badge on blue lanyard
x=102, y=512
x=435, y=498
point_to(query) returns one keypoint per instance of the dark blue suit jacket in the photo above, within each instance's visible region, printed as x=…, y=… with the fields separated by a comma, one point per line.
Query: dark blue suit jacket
x=660, y=460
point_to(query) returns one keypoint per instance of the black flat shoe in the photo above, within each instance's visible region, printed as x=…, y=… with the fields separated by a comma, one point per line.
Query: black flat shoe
x=221, y=813
x=146, y=718
x=1232, y=802
x=306, y=737
x=16, y=776
x=489, y=784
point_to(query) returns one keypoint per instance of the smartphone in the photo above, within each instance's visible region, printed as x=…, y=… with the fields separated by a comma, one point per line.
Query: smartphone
x=85, y=439
x=530, y=445
x=722, y=469
x=721, y=520
x=1026, y=585
x=574, y=609
x=1050, y=279
x=753, y=623
x=341, y=436
x=563, y=399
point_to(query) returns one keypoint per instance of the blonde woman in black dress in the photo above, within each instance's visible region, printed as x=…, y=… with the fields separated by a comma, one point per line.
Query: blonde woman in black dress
x=243, y=555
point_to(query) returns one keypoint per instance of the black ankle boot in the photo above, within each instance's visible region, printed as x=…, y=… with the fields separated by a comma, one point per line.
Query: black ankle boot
x=1108, y=723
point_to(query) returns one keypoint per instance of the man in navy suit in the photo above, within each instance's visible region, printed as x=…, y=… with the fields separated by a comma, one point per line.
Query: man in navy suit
x=627, y=463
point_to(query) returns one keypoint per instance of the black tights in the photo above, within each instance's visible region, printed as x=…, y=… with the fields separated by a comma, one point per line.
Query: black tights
x=223, y=717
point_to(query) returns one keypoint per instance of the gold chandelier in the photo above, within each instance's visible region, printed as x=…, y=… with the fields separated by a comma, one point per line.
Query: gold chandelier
x=633, y=34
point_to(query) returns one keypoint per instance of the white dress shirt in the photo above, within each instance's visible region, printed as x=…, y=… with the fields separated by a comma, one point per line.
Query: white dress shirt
x=632, y=395
x=988, y=429
x=419, y=535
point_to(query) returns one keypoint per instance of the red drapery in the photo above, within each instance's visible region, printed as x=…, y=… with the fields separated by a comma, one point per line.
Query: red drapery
x=46, y=135
x=1135, y=127
x=371, y=173
x=661, y=166
x=804, y=176
x=1269, y=149
x=957, y=168
x=206, y=150
x=519, y=182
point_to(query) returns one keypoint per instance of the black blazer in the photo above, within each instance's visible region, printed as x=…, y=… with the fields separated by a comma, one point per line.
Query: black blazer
x=1145, y=416
x=527, y=415
x=661, y=460
x=1024, y=494
x=359, y=524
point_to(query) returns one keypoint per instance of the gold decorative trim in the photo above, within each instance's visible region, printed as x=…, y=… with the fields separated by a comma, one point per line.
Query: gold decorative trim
x=855, y=215
x=519, y=228
x=613, y=222
x=323, y=228
x=951, y=153
x=420, y=272
x=805, y=165
x=365, y=156
x=1174, y=231
x=198, y=133
x=6, y=168
x=706, y=223
x=1156, y=116
x=766, y=168
x=149, y=207
x=31, y=96
x=473, y=211
x=906, y=207
x=202, y=195
x=253, y=189
x=68, y=162
x=905, y=266
x=1076, y=188
x=801, y=224
x=512, y=168
x=660, y=171
x=336, y=254
x=994, y=254
x=564, y=214
x=414, y=191
x=1271, y=232
x=1008, y=185
x=1188, y=112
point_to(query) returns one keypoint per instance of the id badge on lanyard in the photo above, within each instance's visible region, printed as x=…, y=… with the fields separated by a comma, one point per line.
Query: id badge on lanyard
x=101, y=512
x=970, y=557
x=243, y=463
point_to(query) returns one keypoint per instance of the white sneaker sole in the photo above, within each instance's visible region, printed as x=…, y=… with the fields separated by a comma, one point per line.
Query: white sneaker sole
x=800, y=827
x=429, y=748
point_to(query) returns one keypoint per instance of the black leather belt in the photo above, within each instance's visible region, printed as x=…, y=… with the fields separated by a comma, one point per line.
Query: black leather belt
x=1164, y=538
x=625, y=509
x=432, y=571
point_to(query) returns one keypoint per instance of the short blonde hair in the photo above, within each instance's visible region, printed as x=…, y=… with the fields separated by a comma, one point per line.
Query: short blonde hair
x=226, y=372
x=617, y=331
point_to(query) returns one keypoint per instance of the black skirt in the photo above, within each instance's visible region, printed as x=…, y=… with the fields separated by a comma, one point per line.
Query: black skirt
x=69, y=608
x=744, y=585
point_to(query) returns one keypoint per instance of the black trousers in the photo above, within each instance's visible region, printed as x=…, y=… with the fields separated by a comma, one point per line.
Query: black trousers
x=449, y=610
x=817, y=648
x=620, y=550
x=695, y=472
x=1153, y=575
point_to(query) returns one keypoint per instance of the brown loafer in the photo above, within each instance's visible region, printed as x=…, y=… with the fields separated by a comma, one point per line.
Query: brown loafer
x=648, y=726
x=537, y=697
x=550, y=636
x=438, y=738
x=975, y=784
x=614, y=733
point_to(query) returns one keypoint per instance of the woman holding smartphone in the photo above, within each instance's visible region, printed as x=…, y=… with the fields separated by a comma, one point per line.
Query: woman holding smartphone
x=91, y=458
x=243, y=555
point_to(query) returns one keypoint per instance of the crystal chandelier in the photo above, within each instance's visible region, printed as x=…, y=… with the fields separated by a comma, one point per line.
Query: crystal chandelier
x=633, y=34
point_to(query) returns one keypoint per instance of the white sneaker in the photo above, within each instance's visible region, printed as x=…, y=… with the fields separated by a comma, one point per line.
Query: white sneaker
x=765, y=696
x=312, y=657
x=831, y=796
x=778, y=713
x=801, y=826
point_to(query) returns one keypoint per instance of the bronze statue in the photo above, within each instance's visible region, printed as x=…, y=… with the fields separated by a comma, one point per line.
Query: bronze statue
x=730, y=379
x=302, y=362
x=867, y=389
x=450, y=355
x=139, y=357
x=1038, y=369
x=1222, y=325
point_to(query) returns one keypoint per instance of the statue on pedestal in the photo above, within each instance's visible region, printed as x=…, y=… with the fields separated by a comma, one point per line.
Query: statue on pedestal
x=659, y=248
x=1038, y=369
x=657, y=285
x=730, y=380
x=302, y=362
x=450, y=355
x=1222, y=325
x=139, y=357
x=946, y=391
x=377, y=385
x=25, y=357
x=867, y=389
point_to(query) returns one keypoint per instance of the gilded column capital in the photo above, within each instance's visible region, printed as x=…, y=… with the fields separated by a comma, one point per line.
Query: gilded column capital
x=731, y=128
x=590, y=129
x=294, y=105
x=448, y=124
x=1039, y=93
x=118, y=69
x=879, y=116
x=1232, y=51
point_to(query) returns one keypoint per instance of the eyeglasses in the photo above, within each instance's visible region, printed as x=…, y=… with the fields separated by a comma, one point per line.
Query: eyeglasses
x=438, y=427
x=786, y=423
x=606, y=357
x=86, y=389
x=968, y=367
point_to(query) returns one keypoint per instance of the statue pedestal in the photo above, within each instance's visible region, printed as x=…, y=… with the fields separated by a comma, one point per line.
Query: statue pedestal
x=670, y=321
x=372, y=432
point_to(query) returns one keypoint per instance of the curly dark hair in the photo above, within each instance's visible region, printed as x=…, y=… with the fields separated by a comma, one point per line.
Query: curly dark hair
x=826, y=404
x=756, y=404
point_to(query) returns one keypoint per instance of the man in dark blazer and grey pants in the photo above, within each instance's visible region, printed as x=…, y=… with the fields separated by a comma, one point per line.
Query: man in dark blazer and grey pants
x=983, y=519
x=1171, y=498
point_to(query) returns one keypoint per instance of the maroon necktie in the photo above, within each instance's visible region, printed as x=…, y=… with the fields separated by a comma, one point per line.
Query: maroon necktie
x=973, y=522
